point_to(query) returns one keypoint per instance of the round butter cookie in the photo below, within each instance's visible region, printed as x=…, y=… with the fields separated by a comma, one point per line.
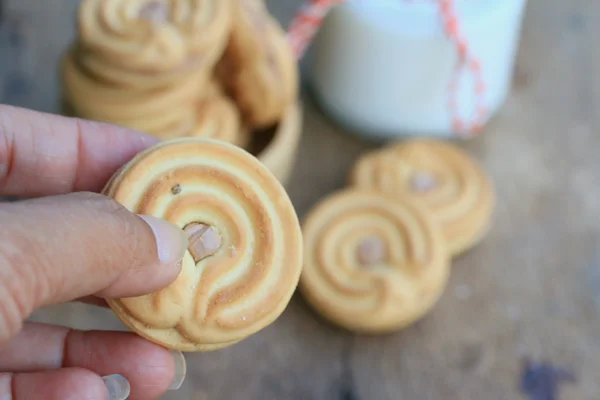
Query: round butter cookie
x=215, y=117
x=438, y=175
x=372, y=263
x=245, y=253
x=134, y=42
x=148, y=110
x=219, y=118
x=258, y=68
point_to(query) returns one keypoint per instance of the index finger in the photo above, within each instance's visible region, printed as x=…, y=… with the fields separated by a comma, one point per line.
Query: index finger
x=43, y=154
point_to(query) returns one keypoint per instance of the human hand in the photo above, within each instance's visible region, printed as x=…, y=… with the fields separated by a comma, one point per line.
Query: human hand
x=61, y=246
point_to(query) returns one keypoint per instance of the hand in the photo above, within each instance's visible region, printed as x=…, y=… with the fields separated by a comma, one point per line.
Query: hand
x=76, y=246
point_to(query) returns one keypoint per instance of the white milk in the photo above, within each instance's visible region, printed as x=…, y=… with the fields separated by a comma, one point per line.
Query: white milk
x=383, y=67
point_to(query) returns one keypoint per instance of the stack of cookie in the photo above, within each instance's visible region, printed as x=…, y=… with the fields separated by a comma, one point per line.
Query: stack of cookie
x=378, y=253
x=180, y=68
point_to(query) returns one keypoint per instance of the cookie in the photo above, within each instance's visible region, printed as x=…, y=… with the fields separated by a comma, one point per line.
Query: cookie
x=219, y=118
x=373, y=263
x=148, y=110
x=259, y=68
x=215, y=117
x=245, y=253
x=438, y=175
x=141, y=42
x=179, y=128
x=137, y=79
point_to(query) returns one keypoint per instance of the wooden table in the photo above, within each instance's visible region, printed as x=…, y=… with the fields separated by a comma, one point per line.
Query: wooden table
x=532, y=290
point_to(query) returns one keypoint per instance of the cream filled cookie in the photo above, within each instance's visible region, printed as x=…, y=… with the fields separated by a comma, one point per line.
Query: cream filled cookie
x=259, y=68
x=438, y=175
x=245, y=254
x=372, y=263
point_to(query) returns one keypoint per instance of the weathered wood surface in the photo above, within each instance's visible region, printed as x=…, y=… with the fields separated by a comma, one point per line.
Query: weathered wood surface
x=532, y=290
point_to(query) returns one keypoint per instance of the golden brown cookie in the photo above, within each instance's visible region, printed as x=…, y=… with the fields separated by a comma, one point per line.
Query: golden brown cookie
x=373, y=263
x=215, y=117
x=148, y=42
x=179, y=128
x=148, y=110
x=438, y=175
x=137, y=79
x=219, y=118
x=259, y=68
x=245, y=253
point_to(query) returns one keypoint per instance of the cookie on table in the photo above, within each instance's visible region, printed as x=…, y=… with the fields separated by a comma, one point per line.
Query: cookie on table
x=439, y=175
x=373, y=263
x=245, y=254
x=258, y=68
x=152, y=42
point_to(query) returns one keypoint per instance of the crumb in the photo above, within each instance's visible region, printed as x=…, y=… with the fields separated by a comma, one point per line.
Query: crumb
x=176, y=189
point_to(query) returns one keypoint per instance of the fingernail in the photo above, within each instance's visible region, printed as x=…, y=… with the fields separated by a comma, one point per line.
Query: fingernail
x=118, y=387
x=171, y=241
x=180, y=370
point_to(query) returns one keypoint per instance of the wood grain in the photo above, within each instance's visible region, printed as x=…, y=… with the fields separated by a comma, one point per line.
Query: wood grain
x=532, y=289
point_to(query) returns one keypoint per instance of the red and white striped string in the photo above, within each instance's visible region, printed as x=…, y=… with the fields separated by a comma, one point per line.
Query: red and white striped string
x=309, y=19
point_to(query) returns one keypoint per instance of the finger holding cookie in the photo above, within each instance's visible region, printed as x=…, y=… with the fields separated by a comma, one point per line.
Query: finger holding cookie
x=245, y=253
x=63, y=244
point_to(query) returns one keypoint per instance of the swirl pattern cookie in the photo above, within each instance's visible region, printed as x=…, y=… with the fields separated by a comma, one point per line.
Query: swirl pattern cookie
x=245, y=253
x=372, y=263
x=152, y=36
x=259, y=67
x=439, y=175
x=219, y=118
x=148, y=110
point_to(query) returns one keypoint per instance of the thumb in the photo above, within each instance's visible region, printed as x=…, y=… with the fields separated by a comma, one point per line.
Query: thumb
x=61, y=248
